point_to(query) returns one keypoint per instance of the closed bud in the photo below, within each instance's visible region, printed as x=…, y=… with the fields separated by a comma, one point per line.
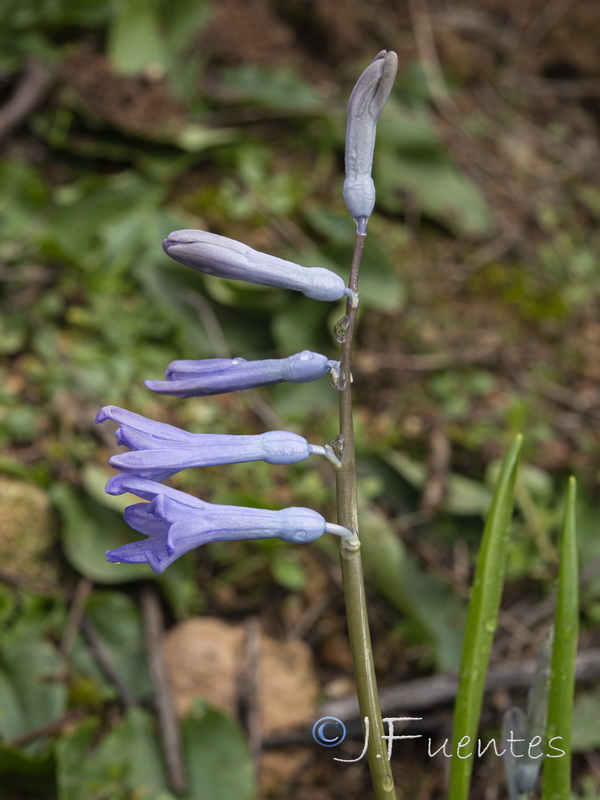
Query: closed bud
x=227, y=258
x=364, y=108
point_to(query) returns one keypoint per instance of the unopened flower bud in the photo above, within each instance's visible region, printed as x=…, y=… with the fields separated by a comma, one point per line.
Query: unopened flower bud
x=364, y=108
x=228, y=258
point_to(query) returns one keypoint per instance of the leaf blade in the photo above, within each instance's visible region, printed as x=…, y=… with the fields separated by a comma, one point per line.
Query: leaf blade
x=482, y=618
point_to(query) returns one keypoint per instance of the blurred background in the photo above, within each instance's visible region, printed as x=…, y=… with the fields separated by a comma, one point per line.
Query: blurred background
x=122, y=120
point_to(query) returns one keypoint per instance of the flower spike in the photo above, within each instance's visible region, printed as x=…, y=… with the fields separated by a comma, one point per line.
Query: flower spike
x=364, y=108
x=227, y=258
x=219, y=375
x=160, y=450
x=176, y=522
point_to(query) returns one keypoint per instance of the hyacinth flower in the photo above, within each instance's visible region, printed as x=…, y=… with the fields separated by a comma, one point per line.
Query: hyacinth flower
x=220, y=375
x=159, y=451
x=366, y=103
x=227, y=258
x=176, y=522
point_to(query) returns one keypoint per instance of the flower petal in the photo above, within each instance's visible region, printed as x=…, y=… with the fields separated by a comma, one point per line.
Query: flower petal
x=136, y=422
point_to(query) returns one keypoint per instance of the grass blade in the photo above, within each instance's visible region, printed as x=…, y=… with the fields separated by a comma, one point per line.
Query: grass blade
x=557, y=768
x=481, y=624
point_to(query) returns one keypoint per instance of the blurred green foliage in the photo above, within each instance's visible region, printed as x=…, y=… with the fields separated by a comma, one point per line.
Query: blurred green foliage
x=90, y=307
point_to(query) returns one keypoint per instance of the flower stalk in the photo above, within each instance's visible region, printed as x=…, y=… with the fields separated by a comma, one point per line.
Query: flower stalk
x=351, y=561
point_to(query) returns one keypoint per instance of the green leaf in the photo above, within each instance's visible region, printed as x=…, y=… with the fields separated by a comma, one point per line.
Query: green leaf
x=30, y=692
x=586, y=732
x=134, y=38
x=430, y=604
x=13, y=333
x=411, y=131
x=271, y=88
x=118, y=624
x=482, y=619
x=129, y=760
x=300, y=317
x=464, y=496
x=557, y=770
x=17, y=762
x=23, y=196
x=410, y=160
x=181, y=22
x=217, y=759
x=89, y=530
x=287, y=570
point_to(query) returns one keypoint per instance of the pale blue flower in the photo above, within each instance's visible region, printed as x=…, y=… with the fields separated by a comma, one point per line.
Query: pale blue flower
x=218, y=375
x=176, y=522
x=160, y=450
x=228, y=258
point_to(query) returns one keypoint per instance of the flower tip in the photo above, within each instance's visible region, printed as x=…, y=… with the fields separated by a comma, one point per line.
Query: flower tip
x=184, y=236
x=106, y=412
x=114, y=485
x=390, y=68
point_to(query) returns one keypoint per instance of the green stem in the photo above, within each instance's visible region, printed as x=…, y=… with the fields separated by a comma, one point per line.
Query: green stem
x=351, y=561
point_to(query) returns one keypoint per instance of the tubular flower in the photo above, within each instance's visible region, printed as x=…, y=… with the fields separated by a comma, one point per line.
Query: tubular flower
x=227, y=258
x=364, y=108
x=218, y=375
x=160, y=450
x=176, y=522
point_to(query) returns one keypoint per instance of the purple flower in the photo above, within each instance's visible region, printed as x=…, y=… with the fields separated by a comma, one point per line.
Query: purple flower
x=160, y=450
x=364, y=108
x=217, y=375
x=176, y=522
x=227, y=258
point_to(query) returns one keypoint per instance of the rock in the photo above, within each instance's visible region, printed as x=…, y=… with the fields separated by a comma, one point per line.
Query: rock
x=206, y=658
x=26, y=536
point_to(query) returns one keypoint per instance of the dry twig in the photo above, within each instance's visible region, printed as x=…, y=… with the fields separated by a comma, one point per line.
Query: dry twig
x=167, y=719
x=104, y=662
x=29, y=93
x=82, y=592
x=423, y=694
